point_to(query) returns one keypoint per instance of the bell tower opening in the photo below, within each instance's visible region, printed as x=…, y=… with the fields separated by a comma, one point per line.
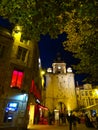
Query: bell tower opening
x=59, y=66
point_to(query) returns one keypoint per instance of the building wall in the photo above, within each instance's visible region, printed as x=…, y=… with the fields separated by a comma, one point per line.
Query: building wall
x=87, y=97
x=9, y=62
x=6, y=42
x=60, y=88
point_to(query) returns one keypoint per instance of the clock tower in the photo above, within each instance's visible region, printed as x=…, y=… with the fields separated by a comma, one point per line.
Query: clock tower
x=60, y=87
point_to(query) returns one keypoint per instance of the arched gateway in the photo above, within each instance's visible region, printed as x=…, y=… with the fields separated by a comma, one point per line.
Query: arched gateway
x=60, y=88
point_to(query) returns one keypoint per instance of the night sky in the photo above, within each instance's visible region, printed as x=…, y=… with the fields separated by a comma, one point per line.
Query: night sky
x=5, y=23
x=49, y=48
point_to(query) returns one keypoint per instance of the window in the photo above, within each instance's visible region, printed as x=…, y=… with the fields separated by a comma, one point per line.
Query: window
x=91, y=102
x=87, y=102
x=27, y=42
x=82, y=93
x=90, y=93
x=17, y=77
x=2, y=48
x=96, y=100
x=21, y=54
x=86, y=93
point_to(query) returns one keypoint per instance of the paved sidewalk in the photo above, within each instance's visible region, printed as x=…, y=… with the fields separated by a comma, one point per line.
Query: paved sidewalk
x=51, y=127
x=59, y=127
x=12, y=128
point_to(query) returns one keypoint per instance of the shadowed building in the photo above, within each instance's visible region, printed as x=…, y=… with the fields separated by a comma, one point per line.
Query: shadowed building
x=19, y=77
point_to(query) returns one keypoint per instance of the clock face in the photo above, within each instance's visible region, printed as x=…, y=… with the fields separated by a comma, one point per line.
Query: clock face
x=59, y=67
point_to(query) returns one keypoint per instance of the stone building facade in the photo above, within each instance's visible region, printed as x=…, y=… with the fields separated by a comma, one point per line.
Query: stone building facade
x=60, y=88
x=18, y=68
x=87, y=98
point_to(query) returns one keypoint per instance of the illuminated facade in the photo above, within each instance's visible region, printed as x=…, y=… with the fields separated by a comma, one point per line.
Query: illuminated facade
x=60, y=88
x=19, y=77
x=87, y=97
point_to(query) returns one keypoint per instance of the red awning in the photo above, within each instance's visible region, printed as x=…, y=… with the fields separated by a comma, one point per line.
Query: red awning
x=43, y=107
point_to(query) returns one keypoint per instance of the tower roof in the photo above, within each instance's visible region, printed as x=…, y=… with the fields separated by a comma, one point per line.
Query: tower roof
x=58, y=59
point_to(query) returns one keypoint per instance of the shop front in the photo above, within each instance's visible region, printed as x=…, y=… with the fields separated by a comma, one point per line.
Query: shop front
x=14, y=111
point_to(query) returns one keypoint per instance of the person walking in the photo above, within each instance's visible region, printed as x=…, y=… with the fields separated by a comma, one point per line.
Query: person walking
x=72, y=121
x=88, y=123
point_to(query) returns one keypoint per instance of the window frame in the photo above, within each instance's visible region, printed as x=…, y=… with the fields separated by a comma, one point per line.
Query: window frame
x=21, y=53
x=17, y=79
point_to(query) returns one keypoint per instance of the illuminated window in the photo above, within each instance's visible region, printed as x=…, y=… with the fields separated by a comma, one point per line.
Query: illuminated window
x=21, y=54
x=17, y=78
x=2, y=48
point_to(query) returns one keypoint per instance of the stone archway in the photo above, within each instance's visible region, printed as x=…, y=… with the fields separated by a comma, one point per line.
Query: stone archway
x=61, y=106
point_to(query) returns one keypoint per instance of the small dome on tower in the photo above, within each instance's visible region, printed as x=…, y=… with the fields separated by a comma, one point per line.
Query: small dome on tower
x=69, y=69
x=49, y=70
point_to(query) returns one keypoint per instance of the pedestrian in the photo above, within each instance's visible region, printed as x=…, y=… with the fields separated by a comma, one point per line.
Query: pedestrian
x=74, y=120
x=50, y=118
x=93, y=120
x=97, y=120
x=88, y=123
x=70, y=120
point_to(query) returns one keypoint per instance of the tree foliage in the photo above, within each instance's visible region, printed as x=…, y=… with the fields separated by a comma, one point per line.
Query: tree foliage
x=36, y=16
x=82, y=37
x=78, y=18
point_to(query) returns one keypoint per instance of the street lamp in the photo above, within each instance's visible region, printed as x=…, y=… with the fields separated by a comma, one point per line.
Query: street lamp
x=95, y=93
x=42, y=73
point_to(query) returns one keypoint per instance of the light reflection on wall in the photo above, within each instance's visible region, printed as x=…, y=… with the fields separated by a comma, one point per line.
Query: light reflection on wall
x=68, y=107
x=96, y=92
x=17, y=33
x=31, y=115
x=21, y=97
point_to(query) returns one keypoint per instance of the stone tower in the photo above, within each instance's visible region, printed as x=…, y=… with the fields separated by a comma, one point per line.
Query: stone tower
x=60, y=87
